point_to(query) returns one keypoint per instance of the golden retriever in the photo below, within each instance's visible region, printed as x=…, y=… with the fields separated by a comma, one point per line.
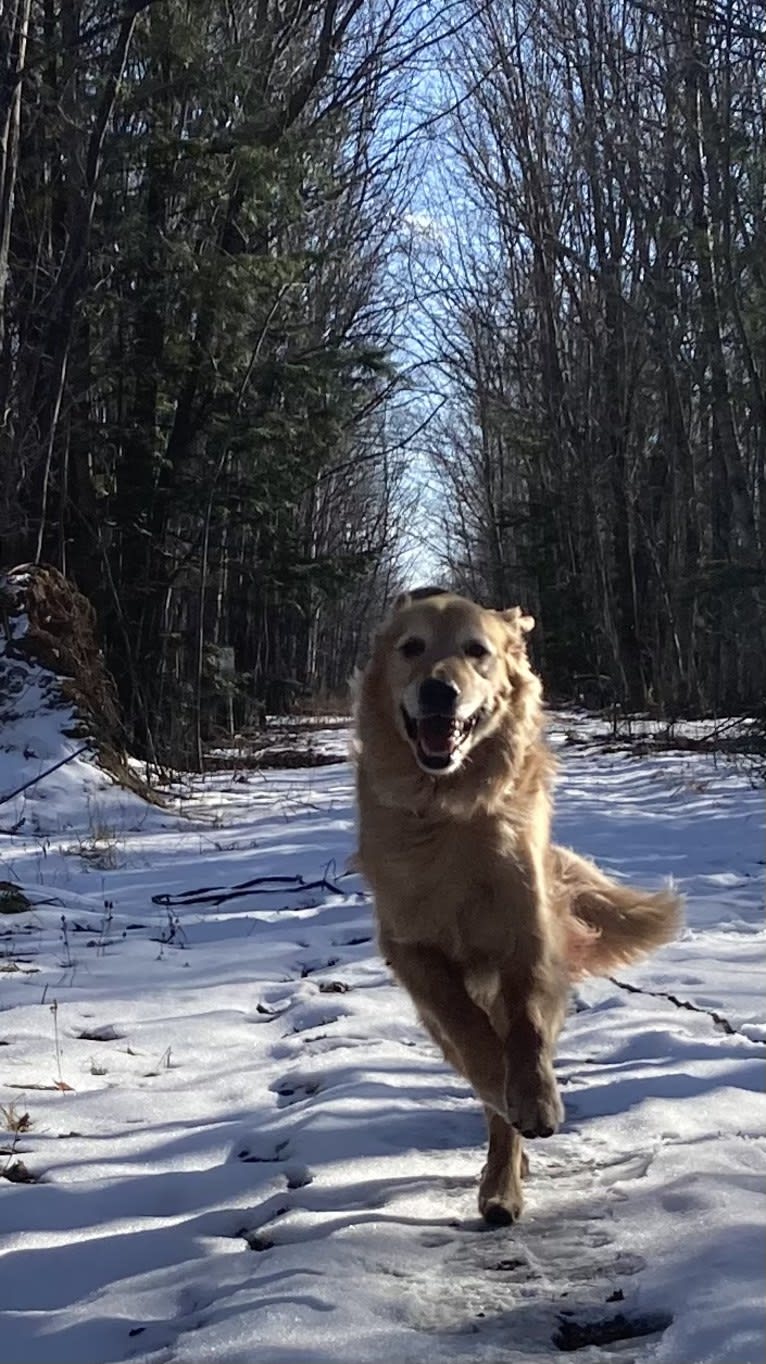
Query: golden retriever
x=483, y=920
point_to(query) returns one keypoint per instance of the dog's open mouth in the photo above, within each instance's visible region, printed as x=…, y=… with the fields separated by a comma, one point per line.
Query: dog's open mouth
x=438, y=738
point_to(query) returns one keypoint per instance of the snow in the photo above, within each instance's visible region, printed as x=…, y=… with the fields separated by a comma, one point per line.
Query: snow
x=258, y=1155
x=38, y=733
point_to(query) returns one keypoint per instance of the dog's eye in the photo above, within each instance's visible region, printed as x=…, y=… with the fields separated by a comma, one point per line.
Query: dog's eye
x=412, y=647
x=475, y=649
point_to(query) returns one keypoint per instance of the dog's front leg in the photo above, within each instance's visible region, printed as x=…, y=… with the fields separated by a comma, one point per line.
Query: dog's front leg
x=533, y=995
x=462, y=1030
x=533, y=1102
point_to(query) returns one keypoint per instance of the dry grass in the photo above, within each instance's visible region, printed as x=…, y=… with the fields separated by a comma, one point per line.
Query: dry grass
x=13, y=1120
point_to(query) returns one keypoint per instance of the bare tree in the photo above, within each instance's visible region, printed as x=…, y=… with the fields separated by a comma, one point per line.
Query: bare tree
x=600, y=350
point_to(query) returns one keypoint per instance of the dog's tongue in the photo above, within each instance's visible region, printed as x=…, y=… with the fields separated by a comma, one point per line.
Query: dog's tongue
x=437, y=733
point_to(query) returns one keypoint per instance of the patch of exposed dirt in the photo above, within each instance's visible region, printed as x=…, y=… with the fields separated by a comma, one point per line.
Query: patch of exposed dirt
x=19, y=1173
x=274, y=757
x=13, y=900
x=578, y=1335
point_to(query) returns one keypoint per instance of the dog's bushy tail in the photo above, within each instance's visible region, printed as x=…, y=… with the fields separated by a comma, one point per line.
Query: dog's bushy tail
x=608, y=924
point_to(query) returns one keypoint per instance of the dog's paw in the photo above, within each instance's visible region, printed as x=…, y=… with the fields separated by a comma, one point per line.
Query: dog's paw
x=534, y=1104
x=501, y=1210
x=500, y=1198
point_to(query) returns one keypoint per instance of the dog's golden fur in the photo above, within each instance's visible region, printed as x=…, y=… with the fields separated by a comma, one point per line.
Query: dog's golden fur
x=483, y=920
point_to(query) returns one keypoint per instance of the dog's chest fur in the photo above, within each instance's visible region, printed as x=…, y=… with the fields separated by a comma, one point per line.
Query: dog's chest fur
x=444, y=883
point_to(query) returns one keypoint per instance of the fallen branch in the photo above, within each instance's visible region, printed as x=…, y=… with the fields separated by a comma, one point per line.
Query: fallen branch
x=259, y=885
x=41, y=777
x=718, y=1019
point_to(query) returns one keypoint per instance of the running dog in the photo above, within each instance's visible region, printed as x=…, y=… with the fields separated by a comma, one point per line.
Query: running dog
x=483, y=920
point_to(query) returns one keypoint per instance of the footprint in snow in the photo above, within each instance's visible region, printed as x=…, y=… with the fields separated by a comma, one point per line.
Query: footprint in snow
x=298, y=1177
x=432, y=1240
x=265, y=1155
x=106, y=1033
x=293, y=1089
x=318, y=964
x=265, y=1013
x=314, y=1016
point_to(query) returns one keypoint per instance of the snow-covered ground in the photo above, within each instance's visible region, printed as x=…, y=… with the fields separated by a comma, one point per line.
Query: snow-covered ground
x=244, y=1149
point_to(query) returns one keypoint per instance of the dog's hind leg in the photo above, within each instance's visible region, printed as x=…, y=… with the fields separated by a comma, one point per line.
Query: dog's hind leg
x=500, y=1196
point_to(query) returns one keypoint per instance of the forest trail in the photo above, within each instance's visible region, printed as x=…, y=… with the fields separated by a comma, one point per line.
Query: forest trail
x=243, y=1148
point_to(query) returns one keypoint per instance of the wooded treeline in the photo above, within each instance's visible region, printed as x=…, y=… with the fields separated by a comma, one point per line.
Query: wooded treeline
x=221, y=251
x=199, y=200
x=599, y=328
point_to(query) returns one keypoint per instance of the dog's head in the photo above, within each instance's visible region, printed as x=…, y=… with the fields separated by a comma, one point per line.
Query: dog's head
x=449, y=673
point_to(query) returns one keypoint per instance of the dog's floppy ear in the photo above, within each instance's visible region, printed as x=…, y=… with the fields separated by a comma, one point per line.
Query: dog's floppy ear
x=518, y=618
x=400, y=601
x=418, y=594
x=519, y=624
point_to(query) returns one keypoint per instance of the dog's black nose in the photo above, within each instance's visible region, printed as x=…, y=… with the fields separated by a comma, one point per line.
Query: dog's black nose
x=437, y=697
